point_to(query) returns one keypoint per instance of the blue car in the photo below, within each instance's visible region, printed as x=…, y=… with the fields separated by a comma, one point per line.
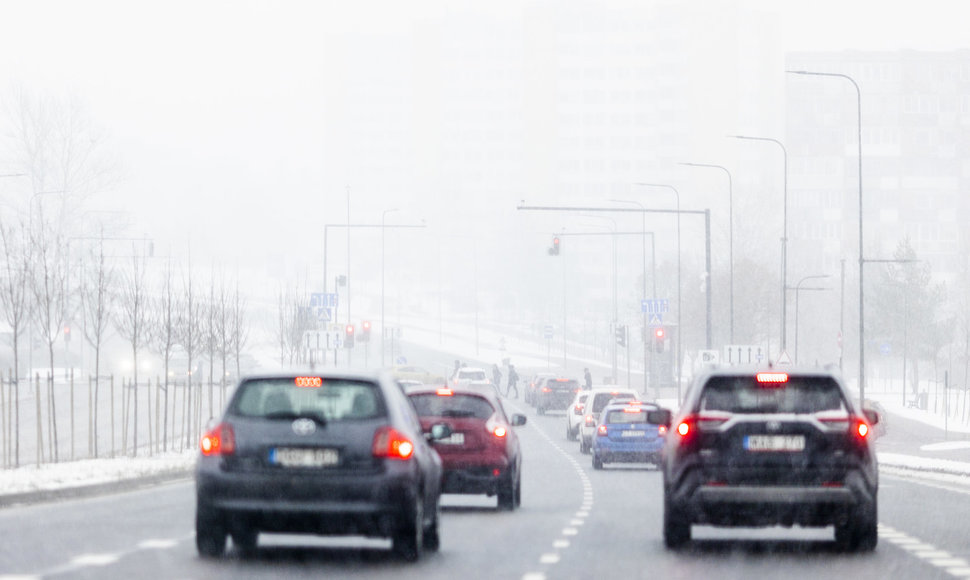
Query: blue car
x=629, y=432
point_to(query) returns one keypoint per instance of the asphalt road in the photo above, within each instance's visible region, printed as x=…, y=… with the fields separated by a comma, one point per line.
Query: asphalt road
x=574, y=522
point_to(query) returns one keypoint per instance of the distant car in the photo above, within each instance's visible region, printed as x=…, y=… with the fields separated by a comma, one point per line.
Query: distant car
x=766, y=447
x=482, y=454
x=465, y=376
x=416, y=373
x=574, y=414
x=629, y=433
x=598, y=398
x=555, y=394
x=320, y=453
x=535, y=383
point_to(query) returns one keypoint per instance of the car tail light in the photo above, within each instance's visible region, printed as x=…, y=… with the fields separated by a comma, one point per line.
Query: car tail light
x=601, y=430
x=589, y=421
x=390, y=443
x=546, y=390
x=498, y=430
x=220, y=440
x=661, y=430
x=684, y=428
x=445, y=392
x=862, y=429
x=772, y=379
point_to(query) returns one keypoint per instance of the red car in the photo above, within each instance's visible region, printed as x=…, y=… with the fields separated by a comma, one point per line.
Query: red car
x=482, y=455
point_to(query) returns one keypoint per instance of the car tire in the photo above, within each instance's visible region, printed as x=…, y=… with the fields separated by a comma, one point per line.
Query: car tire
x=210, y=532
x=506, y=494
x=861, y=532
x=584, y=447
x=597, y=462
x=570, y=435
x=518, y=487
x=676, y=526
x=409, y=536
x=432, y=535
x=245, y=539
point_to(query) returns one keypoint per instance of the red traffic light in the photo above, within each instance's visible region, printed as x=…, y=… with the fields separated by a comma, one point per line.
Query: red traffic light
x=659, y=333
x=350, y=329
x=366, y=325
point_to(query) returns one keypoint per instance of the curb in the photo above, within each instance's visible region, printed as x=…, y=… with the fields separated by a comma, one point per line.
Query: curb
x=83, y=491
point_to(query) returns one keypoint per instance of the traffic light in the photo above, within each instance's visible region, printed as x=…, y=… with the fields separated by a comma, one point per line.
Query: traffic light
x=621, y=335
x=365, y=331
x=659, y=335
x=67, y=333
x=554, y=249
x=349, y=336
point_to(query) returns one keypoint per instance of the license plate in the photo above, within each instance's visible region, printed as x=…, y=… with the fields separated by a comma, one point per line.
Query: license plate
x=453, y=439
x=633, y=433
x=298, y=457
x=774, y=442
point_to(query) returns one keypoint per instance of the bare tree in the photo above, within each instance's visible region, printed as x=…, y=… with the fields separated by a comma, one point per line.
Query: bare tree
x=132, y=324
x=295, y=318
x=222, y=307
x=15, y=300
x=97, y=302
x=188, y=332
x=163, y=338
x=239, y=332
x=51, y=299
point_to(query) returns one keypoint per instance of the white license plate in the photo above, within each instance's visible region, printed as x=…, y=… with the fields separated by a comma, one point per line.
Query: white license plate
x=297, y=457
x=774, y=442
x=633, y=433
x=453, y=439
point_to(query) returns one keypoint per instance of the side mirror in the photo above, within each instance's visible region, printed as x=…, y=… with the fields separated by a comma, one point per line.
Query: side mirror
x=439, y=431
x=518, y=419
x=872, y=416
x=659, y=417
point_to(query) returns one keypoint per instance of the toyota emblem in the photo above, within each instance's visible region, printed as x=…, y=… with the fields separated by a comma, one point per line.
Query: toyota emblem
x=304, y=426
x=773, y=426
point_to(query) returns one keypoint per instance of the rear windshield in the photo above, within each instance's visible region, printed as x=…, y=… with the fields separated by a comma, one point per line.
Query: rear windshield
x=620, y=416
x=563, y=384
x=434, y=405
x=472, y=375
x=797, y=395
x=600, y=400
x=328, y=399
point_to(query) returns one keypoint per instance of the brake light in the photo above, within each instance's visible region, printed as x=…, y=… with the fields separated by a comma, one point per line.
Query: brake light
x=499, y=430
x=546, y=390
x=390, y=443
x=589, y=421
x=862, y=429
x=445, y=392
x=770, y=379
x=683, y=429
x=562, y=380
x=661, y=430
x=601, y=430
x=220, y=440
x=308, y=381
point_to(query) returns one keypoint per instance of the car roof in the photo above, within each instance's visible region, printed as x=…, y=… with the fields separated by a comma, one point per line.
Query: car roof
x=328, y=373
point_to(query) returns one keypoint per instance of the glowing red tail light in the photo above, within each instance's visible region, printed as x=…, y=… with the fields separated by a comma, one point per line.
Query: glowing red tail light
x=683, y=428
x=390, y=443
x=661, y=430
x=589, y=421
x=220, y=440
x=497, y=429
x=444, y=392
x=546, y=390
x=601, y=430
x=771, y=379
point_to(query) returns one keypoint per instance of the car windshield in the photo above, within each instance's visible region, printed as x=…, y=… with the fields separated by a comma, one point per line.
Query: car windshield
x=456, y=405
x=326, y=399
x=744, y=394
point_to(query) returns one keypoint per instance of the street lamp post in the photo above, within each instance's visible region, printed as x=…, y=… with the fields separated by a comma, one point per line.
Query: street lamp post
x=730, y=230
x=383, y=332
x=784, y=238
x=643, y=229
x=862, y=351
x=680, y=312
x=798, y=288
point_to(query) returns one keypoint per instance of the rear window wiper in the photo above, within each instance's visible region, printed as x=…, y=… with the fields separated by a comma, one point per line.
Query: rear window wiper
x=291, y=416
x=457, y=413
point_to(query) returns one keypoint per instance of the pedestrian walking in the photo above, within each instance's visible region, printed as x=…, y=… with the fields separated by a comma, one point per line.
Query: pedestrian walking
x=496, y=377
x=513, y=379
x=589, y=378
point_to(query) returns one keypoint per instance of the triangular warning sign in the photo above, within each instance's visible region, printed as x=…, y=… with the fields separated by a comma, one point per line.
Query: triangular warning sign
x=783, y=358
x=656, y=319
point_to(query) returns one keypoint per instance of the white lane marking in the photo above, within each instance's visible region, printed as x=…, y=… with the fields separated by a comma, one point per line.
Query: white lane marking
x=560, y=544
x=927, y=552
x=95, y=559
x=549, y=559
x=582, y=514
x=569, y=531
x=576, y=522
x=19, y=577
x=534, y=576
x=157, y=544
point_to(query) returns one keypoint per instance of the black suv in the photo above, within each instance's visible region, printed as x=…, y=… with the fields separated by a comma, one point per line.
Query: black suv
x=319, y=453
x=775, y=447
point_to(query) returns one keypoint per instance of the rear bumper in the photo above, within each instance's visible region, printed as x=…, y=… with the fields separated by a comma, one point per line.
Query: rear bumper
x=474, y=477
x=369, y=504
x=766, y=505
x=554, y=401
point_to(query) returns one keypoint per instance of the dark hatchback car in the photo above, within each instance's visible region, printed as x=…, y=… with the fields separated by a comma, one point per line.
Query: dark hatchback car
x=555, y=394
x=482, y=454
x=326, y=454
x=775, y=447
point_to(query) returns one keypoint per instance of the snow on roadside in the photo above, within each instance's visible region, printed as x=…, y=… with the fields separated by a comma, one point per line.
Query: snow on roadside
x=51, y=476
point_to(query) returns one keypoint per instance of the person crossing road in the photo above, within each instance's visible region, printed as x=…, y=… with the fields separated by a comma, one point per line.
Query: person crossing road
x=513, y=379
